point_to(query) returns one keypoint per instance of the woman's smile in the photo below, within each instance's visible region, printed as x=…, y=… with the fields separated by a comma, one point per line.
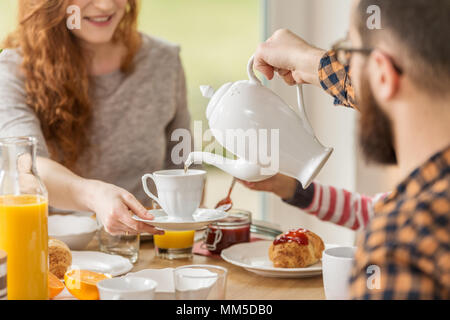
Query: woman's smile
x=101, y=20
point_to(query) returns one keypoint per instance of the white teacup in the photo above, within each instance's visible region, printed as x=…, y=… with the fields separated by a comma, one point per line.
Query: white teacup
x=179, y=193
x=127, y=288
x=337, y=264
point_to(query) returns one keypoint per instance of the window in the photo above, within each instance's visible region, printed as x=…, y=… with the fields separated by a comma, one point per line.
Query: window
x=217, y=37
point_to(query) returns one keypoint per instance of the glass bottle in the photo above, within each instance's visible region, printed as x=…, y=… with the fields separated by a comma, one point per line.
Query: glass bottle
x=23, y=220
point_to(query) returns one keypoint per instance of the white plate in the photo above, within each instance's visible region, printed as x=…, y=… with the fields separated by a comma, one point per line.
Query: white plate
x=254, y=257
x=201, y=218
x=101, y=262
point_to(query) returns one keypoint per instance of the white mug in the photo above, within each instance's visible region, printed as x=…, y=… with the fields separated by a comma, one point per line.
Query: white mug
x=337, y=264
x=179, y=193
x=127, y=288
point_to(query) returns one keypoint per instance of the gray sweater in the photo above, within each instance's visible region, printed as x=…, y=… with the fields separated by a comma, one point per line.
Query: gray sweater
x=133, y=116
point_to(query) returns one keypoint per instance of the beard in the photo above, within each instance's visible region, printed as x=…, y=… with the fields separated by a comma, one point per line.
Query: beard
x=375, y=130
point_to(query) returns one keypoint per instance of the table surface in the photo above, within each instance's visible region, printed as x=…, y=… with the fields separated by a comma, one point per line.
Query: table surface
x=241, y=284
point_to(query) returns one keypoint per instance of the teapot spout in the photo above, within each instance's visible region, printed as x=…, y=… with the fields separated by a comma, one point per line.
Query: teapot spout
x=238, y=168
x=204, y=157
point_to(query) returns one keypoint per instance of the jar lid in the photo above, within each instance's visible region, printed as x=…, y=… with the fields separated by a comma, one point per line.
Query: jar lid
x=2, y=257
x=236, y=217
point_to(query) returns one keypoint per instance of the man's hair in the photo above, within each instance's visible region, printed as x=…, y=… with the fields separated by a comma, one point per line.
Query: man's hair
x=421, y=28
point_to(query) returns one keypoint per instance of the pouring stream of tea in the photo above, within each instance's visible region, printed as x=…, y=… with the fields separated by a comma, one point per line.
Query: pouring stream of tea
x=226, y=203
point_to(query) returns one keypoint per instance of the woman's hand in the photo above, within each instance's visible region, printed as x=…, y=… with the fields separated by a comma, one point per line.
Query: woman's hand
x=283, y=186
x=290, y=56
x=115, y=206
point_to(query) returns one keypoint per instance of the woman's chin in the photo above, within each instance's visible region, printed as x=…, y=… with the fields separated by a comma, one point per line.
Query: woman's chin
x=96, y=39
x=93, y=35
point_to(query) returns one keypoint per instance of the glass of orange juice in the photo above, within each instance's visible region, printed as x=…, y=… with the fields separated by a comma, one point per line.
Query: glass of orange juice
x=23, y=220
x=174, y=244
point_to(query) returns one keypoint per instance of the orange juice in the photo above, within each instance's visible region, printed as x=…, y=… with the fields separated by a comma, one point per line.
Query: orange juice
x=24, y=236
x=174, y=239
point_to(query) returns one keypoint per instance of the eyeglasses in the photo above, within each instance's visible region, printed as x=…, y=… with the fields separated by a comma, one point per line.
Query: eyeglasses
x=344, y=52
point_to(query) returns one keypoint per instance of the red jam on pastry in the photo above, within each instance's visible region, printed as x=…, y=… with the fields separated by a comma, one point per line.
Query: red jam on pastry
x=298, y=236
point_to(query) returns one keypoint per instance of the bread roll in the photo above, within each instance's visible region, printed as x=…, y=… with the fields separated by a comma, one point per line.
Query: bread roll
x=296, y=249
x=59, y=256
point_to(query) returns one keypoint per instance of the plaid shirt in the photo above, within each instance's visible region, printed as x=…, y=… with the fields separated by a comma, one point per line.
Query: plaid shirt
x=405, y=251
x=335, y=79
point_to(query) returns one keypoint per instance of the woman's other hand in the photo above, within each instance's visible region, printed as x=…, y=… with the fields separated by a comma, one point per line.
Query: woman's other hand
x=115, y=206
x=283, y=186
x=290, y=56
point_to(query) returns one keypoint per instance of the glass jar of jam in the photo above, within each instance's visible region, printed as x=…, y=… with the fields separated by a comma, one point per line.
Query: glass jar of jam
x=235, y=228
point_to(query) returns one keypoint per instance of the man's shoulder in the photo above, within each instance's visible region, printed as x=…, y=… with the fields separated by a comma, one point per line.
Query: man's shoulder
x=413, y=227
x=429, y=206
x=409, y=239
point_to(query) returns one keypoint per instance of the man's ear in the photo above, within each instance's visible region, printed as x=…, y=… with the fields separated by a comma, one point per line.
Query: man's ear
x=384, y=79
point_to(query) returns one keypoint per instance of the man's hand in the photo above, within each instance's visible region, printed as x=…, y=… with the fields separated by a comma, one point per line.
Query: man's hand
x=290, y=56
x=283, y=186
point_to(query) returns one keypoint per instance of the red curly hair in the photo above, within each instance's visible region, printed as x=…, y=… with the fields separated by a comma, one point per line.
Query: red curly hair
x=56, y=72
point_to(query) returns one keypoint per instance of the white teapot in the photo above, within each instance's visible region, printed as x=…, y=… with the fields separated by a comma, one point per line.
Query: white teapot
x=247, y=105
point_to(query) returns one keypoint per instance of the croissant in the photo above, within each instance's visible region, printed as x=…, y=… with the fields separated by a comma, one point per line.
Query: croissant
x=296, y=249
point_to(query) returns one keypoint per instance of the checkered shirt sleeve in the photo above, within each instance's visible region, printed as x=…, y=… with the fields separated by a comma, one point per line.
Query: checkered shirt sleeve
x=335, y=80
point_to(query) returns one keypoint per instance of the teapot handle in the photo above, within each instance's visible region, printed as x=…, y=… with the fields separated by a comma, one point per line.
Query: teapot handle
x=300, y=101
x=302, y=110
x=251, y=73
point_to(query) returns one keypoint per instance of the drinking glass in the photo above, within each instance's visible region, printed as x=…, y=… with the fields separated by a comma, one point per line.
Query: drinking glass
x=174, y=244
x=123, y=245
x=200, y=282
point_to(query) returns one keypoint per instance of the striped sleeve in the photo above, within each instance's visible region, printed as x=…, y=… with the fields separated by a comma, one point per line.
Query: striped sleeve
x=342, y=207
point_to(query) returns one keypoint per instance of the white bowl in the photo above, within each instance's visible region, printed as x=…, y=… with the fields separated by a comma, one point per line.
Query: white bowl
x=127, y=288
x=75, y=231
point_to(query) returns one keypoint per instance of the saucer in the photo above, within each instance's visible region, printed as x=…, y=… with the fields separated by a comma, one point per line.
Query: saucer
x=200, y=219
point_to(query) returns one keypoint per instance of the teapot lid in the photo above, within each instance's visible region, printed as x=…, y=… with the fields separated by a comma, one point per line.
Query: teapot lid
x=208, y=92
